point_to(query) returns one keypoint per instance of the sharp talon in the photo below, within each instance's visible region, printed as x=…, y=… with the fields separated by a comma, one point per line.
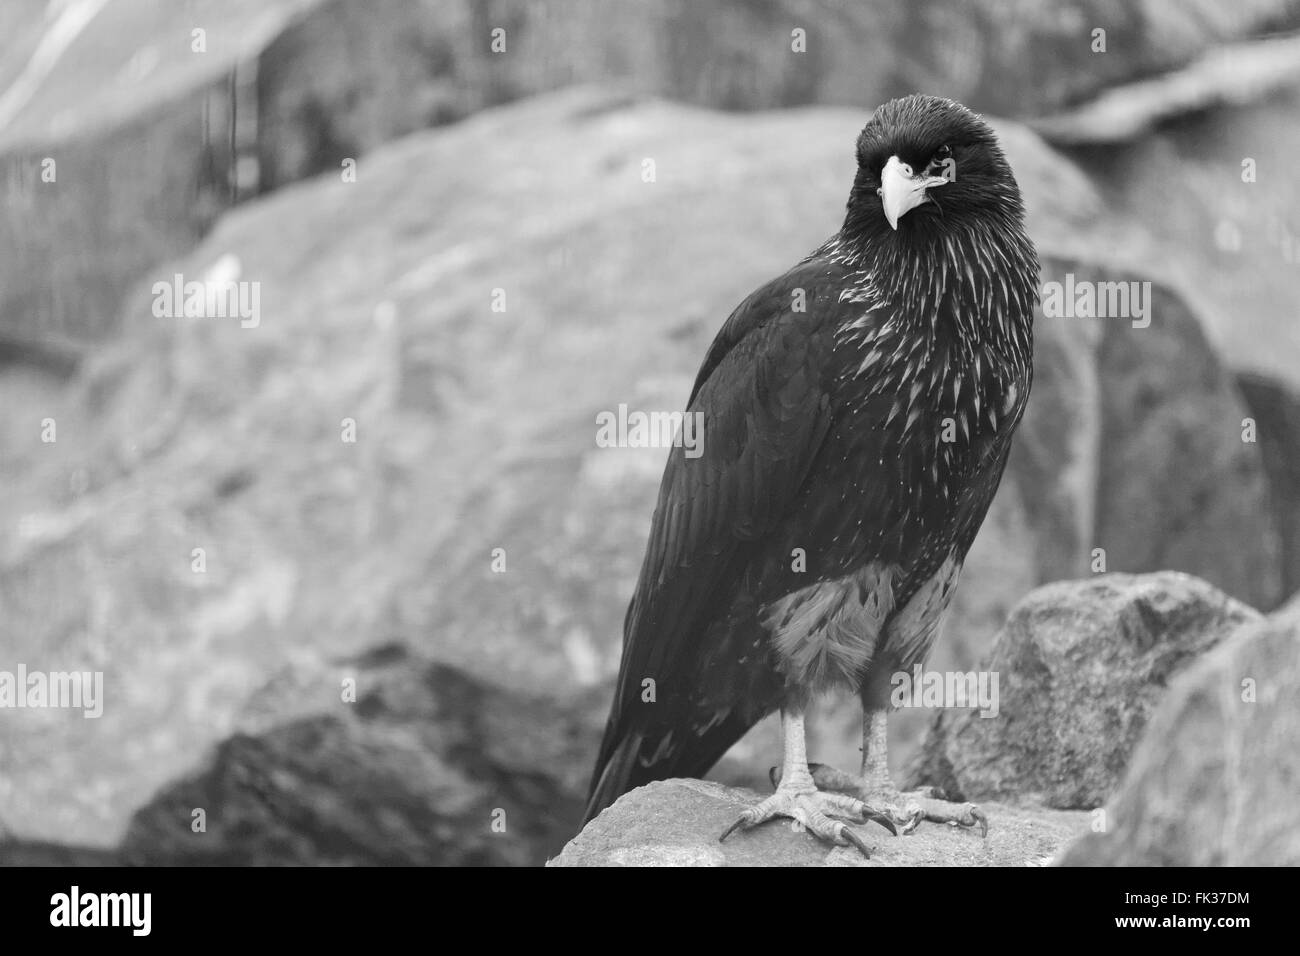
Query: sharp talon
x=878, y=817
x=856, y=840
x=913, y=823
x=732, y=829
x=774, y=775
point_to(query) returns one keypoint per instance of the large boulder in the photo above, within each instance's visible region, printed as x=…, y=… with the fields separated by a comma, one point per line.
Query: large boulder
x=422, y=765
x=385, y=759
x=677, y=823
x=1081, y=668
x=1220, y=215
x=1214, y=781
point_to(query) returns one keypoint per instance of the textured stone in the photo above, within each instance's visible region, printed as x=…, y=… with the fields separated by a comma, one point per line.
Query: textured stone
x=1215, y=780
x=677, y=823
x=428, y=767
x=1081, y=667
x=1275, y=409
x=138, y=126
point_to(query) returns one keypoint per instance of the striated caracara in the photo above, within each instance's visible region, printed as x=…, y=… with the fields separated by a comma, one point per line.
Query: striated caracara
x=860, y=407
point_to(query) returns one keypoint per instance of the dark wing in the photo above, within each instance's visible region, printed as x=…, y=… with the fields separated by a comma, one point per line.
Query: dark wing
x=765, y=404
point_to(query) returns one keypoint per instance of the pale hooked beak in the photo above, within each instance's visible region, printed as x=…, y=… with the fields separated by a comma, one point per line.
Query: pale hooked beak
x=901, y=190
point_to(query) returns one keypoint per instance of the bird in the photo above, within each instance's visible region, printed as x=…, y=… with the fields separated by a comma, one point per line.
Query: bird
x=857, y=413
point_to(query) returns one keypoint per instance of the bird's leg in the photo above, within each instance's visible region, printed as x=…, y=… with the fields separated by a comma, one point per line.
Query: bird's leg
x=877, y=788
x=798, y=798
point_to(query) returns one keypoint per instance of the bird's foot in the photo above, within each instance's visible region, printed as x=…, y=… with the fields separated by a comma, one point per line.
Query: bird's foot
x=903, y=816
x=907, y=810
x=815, y=811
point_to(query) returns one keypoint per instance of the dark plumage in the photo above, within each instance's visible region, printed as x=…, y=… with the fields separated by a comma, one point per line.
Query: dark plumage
x=824, y=430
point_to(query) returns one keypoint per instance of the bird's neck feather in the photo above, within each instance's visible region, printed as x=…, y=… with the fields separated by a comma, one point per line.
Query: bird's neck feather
x=988, y=267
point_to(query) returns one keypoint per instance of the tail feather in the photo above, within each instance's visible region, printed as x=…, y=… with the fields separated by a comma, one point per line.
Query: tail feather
x=613, y=779
x=622, y=769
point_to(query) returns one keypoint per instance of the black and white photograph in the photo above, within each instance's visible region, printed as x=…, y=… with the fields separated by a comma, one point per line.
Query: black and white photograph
x=650, y=434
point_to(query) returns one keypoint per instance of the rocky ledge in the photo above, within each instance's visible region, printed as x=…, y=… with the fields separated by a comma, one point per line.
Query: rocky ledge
x=1144, y=720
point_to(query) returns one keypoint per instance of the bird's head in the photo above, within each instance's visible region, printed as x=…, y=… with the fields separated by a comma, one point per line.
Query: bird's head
x=926, y=164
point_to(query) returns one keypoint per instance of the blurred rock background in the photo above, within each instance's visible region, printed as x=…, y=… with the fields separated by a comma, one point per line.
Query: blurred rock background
x=520, y=170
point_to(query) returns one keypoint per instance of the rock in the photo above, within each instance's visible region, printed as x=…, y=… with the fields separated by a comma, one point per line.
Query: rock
x=1225, y=76
x=299, y=86
x=347, y=77
x=1220, y=220
x=15, y=852
x=138, y=129
x=736, y=54
x=428, y=767
x=1131, y=435
x=1081, y=667
x=1275, y=410
x=677, y=823
x=1175, y=479
x=1214, y=780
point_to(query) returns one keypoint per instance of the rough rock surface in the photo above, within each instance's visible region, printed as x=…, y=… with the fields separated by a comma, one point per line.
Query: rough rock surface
x=138, y=126
x=1225, y=227
x=1275, y=408
x=677, y=823
x=1081, y=667
x=425, y=766
x=1143, y=425
x=1215, y=780
x=429, y=766
x=1175, y=480
x=739, y=54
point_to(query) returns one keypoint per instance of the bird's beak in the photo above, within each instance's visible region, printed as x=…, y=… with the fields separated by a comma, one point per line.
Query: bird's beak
x=902, y=190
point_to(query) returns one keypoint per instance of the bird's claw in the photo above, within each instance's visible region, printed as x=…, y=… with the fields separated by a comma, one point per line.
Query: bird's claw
x=813, y=809
x=746, y=820
x=867, y=813
x=870, y=813
x=904, y=811
x=849, y=836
